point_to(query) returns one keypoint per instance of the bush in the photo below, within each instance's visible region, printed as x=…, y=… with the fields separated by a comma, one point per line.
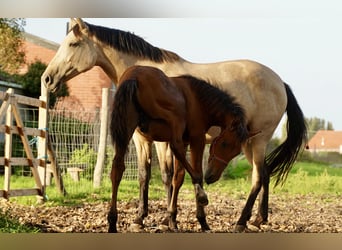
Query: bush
x=85, y=155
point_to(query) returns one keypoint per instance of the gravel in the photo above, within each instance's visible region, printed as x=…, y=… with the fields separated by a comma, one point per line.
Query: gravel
x=292, y=213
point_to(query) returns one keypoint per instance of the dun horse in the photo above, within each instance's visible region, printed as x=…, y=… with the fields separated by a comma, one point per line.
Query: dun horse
x=179, y=110
x=260, y=92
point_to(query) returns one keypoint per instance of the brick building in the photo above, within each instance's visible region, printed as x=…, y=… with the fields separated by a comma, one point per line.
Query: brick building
x=84, y=90
x=326, y=141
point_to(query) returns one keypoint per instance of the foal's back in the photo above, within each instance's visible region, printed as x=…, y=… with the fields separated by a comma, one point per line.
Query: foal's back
x=157, y=94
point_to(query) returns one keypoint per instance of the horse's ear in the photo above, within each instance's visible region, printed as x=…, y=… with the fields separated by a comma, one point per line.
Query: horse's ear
x=78, y=27
x=72, y=23
x=83, y=25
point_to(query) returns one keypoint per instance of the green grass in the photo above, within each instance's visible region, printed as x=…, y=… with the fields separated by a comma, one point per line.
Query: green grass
x=10, y=225
x=304, y=178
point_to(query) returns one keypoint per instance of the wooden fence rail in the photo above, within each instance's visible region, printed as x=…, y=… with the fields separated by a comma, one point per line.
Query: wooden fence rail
x=10, y=110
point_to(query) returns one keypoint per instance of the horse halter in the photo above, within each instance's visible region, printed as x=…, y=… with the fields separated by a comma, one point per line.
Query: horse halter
x=212, y=155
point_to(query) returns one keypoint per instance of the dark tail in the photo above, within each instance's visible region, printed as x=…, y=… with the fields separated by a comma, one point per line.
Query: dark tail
x=123, y=102
x=281, y=159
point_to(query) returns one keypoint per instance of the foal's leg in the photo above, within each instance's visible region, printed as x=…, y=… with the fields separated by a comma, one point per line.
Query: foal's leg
x=197, y=147
x=177, y=181
x=144, y=155
x=118, y=168
x=197, y=180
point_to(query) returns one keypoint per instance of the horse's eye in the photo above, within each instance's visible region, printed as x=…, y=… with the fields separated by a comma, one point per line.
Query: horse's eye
x=74, y=44
x=224, y=144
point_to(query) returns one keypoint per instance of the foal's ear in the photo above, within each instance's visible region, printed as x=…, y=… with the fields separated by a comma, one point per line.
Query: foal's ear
x=236, y=124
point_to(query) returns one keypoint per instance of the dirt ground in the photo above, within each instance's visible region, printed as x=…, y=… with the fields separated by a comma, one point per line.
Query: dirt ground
x=297, y=213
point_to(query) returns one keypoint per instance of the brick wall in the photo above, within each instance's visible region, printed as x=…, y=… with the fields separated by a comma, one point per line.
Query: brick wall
x=85, y=91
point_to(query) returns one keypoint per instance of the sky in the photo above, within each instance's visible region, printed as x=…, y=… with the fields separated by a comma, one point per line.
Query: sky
x=303, y=44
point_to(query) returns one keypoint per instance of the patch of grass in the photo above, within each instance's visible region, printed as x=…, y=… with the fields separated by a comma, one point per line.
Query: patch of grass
x=9, y=225
x=304, y=178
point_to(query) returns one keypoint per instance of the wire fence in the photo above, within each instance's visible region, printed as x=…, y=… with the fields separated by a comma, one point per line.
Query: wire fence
x=75, y=138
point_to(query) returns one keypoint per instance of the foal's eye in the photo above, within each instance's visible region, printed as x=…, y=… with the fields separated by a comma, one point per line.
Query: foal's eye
x=74, y=44
x=224, y=144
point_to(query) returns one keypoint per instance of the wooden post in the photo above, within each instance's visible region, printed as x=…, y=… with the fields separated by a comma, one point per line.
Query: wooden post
x=8, y=145
x=42, y=138
x=55, y=168
x=27, y=148
x=103, y=139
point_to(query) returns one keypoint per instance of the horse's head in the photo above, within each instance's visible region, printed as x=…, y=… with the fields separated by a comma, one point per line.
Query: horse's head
x=76, y=54
x=224, y=148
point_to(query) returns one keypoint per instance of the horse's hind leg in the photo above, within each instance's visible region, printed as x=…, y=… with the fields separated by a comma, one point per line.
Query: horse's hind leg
x=255, y=153
x=165, y=159
x=262, y=214
x=144, y=155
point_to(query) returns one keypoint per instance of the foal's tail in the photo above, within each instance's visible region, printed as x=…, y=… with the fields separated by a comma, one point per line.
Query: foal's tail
x=124, y=101
x=281, y=159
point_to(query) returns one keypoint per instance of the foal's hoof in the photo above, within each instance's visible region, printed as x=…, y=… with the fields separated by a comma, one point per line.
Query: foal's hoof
x=240, y=228
x=258, y=222
x=202, y=199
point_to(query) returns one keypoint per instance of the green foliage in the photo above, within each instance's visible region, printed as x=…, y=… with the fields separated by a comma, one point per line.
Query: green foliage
x=236, y=171
x=12, y=55
x=31, y=80
x=315, y=124
x=87, y=156
x=32, y=84
x=10, y=225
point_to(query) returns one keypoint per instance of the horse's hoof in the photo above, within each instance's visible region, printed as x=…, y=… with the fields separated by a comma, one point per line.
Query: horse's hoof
x=136, y=228
x=240, y=228
x=205, y=228
x=165, y=221
x=112, y=230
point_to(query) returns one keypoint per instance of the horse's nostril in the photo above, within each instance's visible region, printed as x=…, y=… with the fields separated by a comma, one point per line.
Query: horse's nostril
x=47, y=79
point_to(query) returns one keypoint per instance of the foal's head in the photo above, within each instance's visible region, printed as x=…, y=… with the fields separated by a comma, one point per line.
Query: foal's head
x=224, y=148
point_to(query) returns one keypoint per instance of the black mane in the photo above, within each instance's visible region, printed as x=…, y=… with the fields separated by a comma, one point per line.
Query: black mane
x=131, y=44
x=215, y=101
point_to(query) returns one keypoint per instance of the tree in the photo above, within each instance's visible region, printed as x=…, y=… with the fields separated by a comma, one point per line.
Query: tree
x=314, y=124
x=31, y=82
x=12, y=55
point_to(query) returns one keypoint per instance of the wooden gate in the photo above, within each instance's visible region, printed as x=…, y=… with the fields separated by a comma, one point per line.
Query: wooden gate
x=10, y=111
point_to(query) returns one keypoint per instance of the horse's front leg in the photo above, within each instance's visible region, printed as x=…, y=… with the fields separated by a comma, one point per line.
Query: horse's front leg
x=144, y=156
x=118, y=167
